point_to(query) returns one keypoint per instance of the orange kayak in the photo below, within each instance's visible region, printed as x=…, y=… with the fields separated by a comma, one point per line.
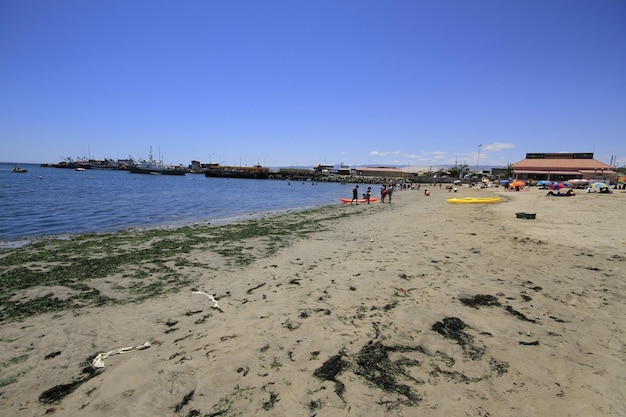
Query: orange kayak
x=361, y=200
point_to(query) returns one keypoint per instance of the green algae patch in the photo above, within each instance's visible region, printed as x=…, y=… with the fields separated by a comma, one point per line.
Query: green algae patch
x=140, y=264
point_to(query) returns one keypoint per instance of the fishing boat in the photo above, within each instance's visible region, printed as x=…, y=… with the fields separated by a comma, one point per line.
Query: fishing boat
x=256, y=172
x=17, y=168
x=154, y=167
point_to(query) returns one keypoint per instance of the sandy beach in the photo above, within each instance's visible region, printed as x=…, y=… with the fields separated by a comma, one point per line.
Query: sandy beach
x=419, y=307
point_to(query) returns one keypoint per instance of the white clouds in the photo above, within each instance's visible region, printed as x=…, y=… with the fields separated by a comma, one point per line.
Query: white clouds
x=490, y=154
x=385, y=153
x=497, y=146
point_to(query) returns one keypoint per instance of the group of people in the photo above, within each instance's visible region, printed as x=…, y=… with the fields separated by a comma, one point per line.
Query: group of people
x=366, y=196
x=386, y=191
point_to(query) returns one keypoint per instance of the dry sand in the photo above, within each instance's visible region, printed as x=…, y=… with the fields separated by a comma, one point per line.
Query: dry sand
x=358, y=304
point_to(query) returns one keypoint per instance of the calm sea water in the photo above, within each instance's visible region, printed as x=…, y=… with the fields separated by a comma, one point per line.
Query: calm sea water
x=53, y=201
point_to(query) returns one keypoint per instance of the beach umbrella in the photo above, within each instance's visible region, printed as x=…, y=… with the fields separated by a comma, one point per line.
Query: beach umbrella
x=544, y=182
x=518, y=184
x=505, y=182
x=600, y=185
x=558, y=186
x=579, y=181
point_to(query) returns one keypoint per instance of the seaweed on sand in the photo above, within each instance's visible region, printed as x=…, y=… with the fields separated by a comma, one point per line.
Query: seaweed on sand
x=452, y=328
x=374, y=364
x=55, y=394
x=152, y=262
x=489, y=300
x=330, y=369
x=184, y=401
x=479, y=300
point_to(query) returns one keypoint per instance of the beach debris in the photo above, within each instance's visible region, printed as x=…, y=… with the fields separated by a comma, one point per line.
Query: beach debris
x=211, y=297
x=98, y=361
x=534, y=343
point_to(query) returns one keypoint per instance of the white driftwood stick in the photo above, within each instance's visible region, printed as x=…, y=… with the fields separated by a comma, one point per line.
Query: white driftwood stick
x=215, y=305
x=98, y=361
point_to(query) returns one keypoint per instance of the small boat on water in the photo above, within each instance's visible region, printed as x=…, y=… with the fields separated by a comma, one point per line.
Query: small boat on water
x=17, y=168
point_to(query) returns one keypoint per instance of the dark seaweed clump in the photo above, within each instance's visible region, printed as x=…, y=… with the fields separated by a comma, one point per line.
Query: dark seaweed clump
x=184, y=401
x=487, y=300
x=374, y=364
x=55, y=394
x=480, y=300
x=330, y=369
x=452, y=328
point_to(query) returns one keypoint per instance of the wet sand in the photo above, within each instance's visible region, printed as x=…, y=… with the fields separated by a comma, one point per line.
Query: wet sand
x=418, y=307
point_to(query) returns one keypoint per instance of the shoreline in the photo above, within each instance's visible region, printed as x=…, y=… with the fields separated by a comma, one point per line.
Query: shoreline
x=342, y=311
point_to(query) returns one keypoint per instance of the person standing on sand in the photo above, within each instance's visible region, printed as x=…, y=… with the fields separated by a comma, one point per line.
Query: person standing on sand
x=383, y=193
x=355, y=194
x=390, y=191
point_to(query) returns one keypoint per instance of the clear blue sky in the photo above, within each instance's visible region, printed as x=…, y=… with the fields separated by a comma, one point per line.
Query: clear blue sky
x=312, y=81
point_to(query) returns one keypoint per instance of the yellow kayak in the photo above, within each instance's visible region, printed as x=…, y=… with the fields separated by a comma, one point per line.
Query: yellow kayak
x=474, y=200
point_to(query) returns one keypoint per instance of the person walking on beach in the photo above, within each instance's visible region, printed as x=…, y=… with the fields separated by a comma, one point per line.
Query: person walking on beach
x=355, y=194
x=383, y=193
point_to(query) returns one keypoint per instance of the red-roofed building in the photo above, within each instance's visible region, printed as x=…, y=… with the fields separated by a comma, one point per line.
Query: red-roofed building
x=381, y=172
x=562, y=167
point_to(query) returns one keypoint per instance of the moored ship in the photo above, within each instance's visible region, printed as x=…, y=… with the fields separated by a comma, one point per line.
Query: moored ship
x=151, y=166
